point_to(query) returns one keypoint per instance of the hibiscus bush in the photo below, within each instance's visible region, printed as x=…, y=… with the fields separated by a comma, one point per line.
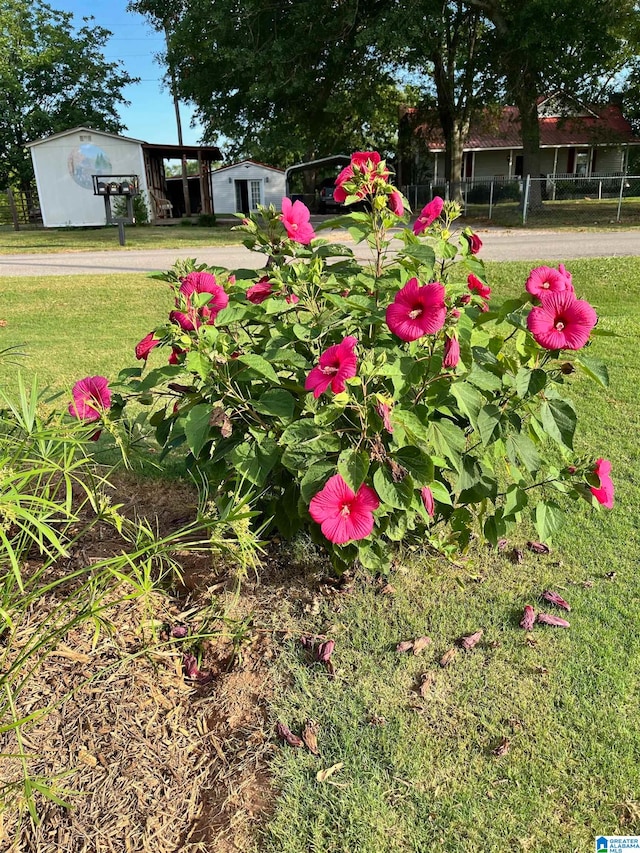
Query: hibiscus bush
x=378, y=403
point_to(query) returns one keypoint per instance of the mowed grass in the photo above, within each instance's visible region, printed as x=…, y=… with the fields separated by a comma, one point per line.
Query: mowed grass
x=569, y=705
x=73, y=326
x=106, y=239
x=425, y=777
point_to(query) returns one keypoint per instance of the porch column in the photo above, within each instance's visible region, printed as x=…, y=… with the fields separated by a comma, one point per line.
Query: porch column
x=555, y=163
x=435, y=168
x=473, y=165
x=510, y=163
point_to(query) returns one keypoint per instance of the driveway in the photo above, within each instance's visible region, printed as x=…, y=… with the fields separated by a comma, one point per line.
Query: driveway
x=500, y=244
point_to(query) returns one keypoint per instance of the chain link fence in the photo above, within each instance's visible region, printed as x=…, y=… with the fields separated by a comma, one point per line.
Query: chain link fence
x=551, y=200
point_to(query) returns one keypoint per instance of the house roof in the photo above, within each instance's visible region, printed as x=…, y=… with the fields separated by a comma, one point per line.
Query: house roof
x=84, y=130
x=594, y=126
x=248, y=163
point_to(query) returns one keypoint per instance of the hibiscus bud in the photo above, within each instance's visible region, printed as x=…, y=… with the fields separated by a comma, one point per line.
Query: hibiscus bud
x=538, y=548
x=555, y=621
x=451, y=351
x=191, y=670
x=567, y=368
x=384, y=413
x=571, y=469
x=528, y=618
x=556, y=599
x=146, y=345
x=465, y=299
x=179, y=631
x=325, y=650
x=285, y=734
x=472, y=640
x=455, y=313
x=421, y=643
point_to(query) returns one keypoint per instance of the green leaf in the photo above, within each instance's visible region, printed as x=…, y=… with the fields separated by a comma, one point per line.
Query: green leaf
x=530, y=382
x=495, y=528
x=448, y=439
x=417, y=463
x=315, y=478
x=422, y=253
x=254, y=461
x=276, y=402
x=195, y=362
x=483, y=379
x=259, y=365
x=594, y=368
x=374, y=555
x=197, y=427
x=415, y=428
x=515, y=501
x=469, y=399
x=440, y=493
x=520, y=446
x=397, y=526
x=313, y=439
x=353, y=466
x=549, y=519
x=488, y=420
x=398, y=495
x=559, y=420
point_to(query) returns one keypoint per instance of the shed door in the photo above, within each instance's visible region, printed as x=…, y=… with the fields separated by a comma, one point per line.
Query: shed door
x=242, y=197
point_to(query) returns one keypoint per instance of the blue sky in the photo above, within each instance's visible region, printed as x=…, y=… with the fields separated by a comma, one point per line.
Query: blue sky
x=151, y=116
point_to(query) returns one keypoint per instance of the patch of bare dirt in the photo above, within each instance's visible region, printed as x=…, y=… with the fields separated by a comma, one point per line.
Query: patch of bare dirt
x=148, y=759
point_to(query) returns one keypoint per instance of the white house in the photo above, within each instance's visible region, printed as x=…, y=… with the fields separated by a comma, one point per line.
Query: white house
x=65, y=162
x=241, y=187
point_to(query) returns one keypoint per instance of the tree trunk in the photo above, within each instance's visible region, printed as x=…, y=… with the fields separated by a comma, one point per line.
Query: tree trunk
x=530, y=129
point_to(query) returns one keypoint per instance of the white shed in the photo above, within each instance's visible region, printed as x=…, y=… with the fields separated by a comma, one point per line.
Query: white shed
x=241, y=187
x=64, y=163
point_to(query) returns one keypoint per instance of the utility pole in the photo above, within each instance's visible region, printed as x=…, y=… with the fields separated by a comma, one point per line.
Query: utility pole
x=176, y=104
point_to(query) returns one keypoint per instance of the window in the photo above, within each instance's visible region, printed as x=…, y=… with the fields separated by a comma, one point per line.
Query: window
x=582, y=161
x=256, y=194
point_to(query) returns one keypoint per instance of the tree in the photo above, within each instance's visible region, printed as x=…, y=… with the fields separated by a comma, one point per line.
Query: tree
x=52, y=78
x=282, y=81
x=545, y=46
x=442, y=43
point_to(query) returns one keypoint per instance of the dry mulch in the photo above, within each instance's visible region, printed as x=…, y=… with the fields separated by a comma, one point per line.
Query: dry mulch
x=148, y=759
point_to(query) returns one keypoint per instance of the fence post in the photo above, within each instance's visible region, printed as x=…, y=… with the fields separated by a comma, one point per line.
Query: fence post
x=415, y=196
x=600, y=191
x=622, y=180
x=490, y=199
x=525, y=205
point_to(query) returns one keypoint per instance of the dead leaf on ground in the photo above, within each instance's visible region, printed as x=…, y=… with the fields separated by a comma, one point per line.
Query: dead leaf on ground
x=448, y=657
x=377, y=720
x=554, y=621
x=503, y=747
x=310, y=736
x=516, y=556
x=404, y=646
x=420, y=644
x=528, y=618
x=323, y=775
x=554, y=598
x=538, y=547
x=472, y=640
x=285, y=734
x=388, y=589
x=427, y=681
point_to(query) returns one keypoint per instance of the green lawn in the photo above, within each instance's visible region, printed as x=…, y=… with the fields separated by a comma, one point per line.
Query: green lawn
x=97, y=239
x=427, y=778
x=569, y=705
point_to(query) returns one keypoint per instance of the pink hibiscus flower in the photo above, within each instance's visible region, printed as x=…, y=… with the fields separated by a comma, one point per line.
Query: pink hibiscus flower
x=568, y=277
x=562, y=321
x=544, y=280
x=430, y=212
x=291, y=298
x=475, y=243
x=417, y=311
x=295, y=218
x=191, y=318
x=364, y=167
x=91, y=398
x=384, y=412
x=395, y=203
x=603, y=493
x=176, y=352
x=336, y=364
x=146, y=345
x=476, y=286
x=342, y=515
x=451, y=351
x=260, y=291
x=427, y=500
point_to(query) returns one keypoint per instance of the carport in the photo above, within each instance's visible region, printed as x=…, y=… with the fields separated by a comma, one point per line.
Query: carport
x=313, y=166
x=163, y=205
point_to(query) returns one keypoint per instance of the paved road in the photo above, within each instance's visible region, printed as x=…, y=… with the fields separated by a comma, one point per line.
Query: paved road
x=499, y=245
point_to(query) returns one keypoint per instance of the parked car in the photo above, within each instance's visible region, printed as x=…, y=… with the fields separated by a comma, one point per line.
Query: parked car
x=327, y=203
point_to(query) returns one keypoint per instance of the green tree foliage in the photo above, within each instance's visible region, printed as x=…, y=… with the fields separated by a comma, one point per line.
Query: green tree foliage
x=283, y=81
x=545, y=46
x=52, y=78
